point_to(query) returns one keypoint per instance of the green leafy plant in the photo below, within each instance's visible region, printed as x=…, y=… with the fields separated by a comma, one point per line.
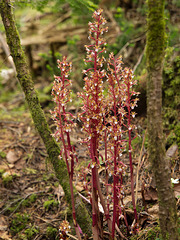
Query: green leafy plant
x=1, y=172
x=51, y=204
x=171, y=95
x=51, y=233
x=18, y=223
x=31, y=232
x=32, y=198
x=152, y=233
x=2, y=154
x=7, y=179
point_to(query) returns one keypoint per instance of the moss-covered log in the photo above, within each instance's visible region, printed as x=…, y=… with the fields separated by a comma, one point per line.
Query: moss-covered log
x=37, y=113
x=156, y=42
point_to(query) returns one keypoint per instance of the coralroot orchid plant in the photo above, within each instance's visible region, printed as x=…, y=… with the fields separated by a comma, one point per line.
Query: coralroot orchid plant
x=106, y=121
x=64, y=124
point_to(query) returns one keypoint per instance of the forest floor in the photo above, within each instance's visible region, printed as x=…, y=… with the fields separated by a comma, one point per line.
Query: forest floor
x=32, y=204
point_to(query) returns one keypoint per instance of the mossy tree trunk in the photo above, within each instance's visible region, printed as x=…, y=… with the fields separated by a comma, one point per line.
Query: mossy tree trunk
x=156, y=41
x=37, y=113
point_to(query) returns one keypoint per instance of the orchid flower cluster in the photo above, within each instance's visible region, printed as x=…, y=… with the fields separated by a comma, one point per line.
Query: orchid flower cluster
x=64, y=230
x=120, y=104
x=93, y=105
x=106, y=120
x=63, y=119
x=92, y=96
x=64, y=124
x=114, y=136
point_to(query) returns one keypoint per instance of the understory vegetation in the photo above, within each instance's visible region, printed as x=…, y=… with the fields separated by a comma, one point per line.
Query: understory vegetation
x=32, y=203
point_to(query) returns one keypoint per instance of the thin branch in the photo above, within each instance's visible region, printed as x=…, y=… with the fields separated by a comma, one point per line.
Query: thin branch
x=138, y=168
x=139, y=60
x=128, y=43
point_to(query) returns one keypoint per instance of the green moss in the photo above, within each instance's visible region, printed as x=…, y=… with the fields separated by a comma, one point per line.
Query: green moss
x=156, y=32
x=18, y=223
x=1, y=172
x=33, y=198
x=148, y=234
x=31, y=232
x=28, y=202
x=51, y=233
x=50, y=205
x=171, y=94
x=171, y=139
x=30, y=170
x=7, y=180
x=11, y=209
x=171, y=76
x=56, y=184
x=48, y=177
x=177, y=134
x=2, y=154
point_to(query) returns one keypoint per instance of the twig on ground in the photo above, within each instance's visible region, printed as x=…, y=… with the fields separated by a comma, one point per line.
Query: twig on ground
x=71, y=236
x=21, y=200
x=46, y=221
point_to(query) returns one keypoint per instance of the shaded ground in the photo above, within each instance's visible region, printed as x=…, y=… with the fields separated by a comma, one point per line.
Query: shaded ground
x=29, y=191
x=31, y=200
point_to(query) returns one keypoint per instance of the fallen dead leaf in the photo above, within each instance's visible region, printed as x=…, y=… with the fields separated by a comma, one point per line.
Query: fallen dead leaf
x=154, y=211
x=11, y=157
x=127, y=199
x=20, y=164
x=3, y=223
x=172, y=151
x=150, y=194
x=59, y=192
x=2, y=204
x=6, y=166
x=5, y=236
x=79, y=187
x=177, y=190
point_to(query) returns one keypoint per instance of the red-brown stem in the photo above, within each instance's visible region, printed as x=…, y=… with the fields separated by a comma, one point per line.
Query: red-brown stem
x=70, y=182
x=63, y=140
x=71, y=187
x=106, y=210
x=115, y=177
x=97, y=229
x=73, y=206
x=95, y=208
x=115, y=198
x=107, y=187
x=70, y=171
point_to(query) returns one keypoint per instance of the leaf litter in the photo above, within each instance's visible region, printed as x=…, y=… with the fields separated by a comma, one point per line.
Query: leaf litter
x=33, y=185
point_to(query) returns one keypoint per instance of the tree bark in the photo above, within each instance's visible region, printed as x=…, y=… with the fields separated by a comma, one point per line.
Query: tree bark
x=37, y=114
x=156, y=41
